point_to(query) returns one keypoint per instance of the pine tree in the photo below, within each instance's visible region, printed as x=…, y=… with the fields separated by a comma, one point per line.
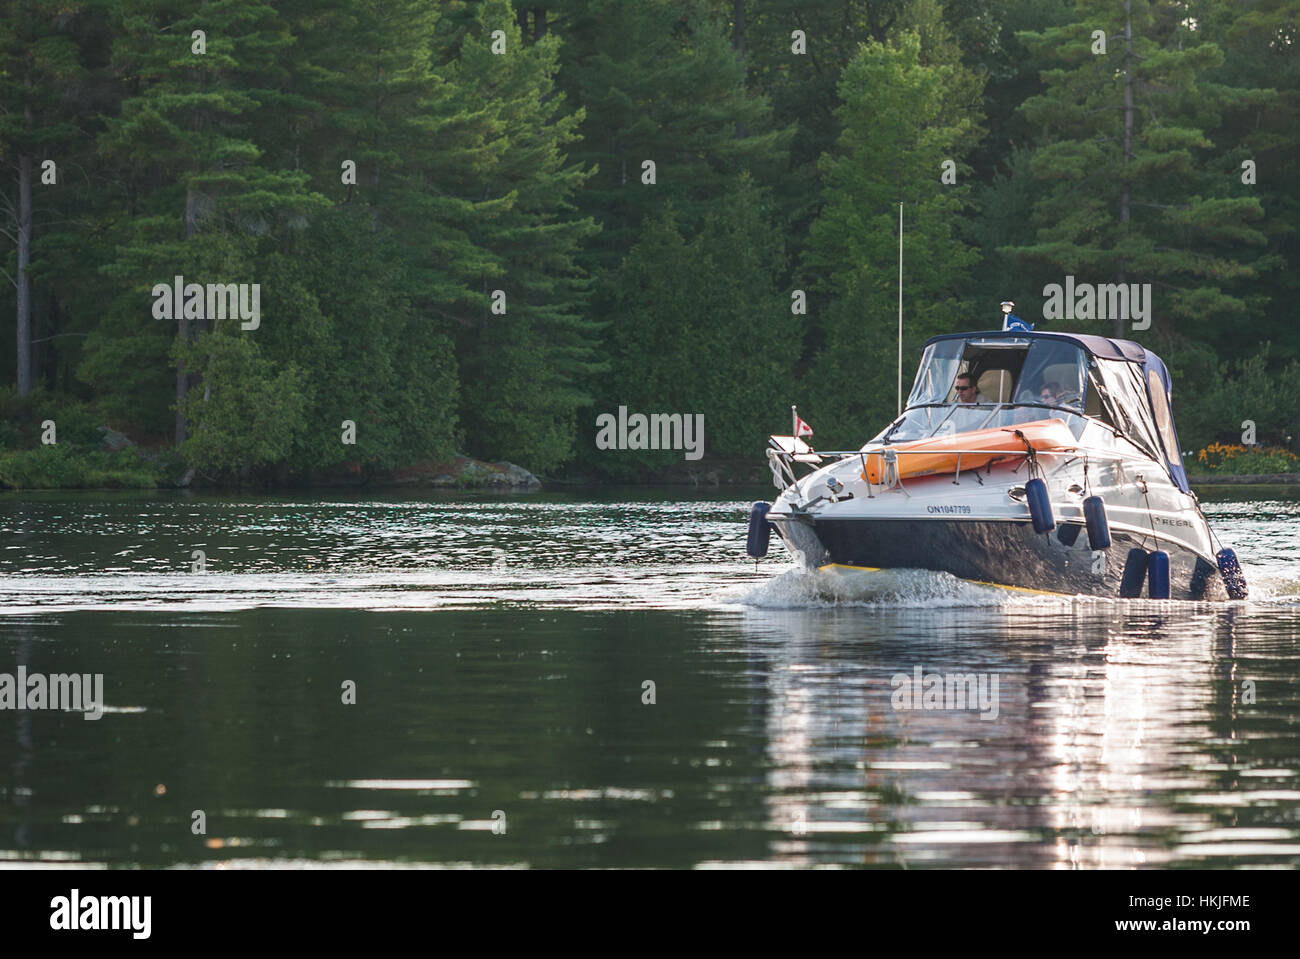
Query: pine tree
x=197, y=78
x=797, y=51
x=458, y=153
x=1261, y=45
x=391, y=270
x=700, y=326
x=1139, y=193
x=898, y=134
x=526, y=370
x=38, y=61
x=660, y=82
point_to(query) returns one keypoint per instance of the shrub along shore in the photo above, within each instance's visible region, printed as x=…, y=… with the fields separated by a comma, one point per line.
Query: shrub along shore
x=116, y=463
x=1247, y=479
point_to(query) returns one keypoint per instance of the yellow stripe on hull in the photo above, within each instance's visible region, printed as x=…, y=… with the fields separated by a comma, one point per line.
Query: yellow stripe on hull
x=832, y=567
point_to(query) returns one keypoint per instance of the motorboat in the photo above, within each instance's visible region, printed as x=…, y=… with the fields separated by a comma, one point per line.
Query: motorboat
x=1060, y=473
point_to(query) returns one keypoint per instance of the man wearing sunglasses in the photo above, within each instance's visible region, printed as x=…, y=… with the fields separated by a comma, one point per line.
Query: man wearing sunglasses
x=967, y=392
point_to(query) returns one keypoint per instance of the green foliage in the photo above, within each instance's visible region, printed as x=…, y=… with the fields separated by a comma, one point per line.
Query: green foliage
x=1004, y=223
x=700, y=327
x=659, y=80
x=1261, y=54
x=1167, y=211
x=1217, y=400
x=525, y=371
x=245, y=417
x=76, y=423
x=61, y=467
x=46, y=467
x=480, y=168
x=1240, y=460
x=366, y=352
x=898, y=132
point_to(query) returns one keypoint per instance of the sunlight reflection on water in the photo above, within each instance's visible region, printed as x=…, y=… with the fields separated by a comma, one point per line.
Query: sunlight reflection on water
x=501, y=646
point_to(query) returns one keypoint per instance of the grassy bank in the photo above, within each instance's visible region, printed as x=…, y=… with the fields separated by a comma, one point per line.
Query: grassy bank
x=63, y=467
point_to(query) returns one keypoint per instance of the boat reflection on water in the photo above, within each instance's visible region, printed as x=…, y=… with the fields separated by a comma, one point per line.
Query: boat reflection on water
x=1115, y=742
x=1125, y=732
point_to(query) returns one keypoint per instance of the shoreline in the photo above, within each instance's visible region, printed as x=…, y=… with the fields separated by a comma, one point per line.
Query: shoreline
x=461, y=472
x=1245, y=479
x=560, y=485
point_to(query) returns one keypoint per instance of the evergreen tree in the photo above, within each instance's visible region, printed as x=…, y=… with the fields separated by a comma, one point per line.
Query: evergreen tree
x=197, y=78
x=526, y=370
x=797, y=51
x=700, y=326
x=1261, y=46
x=39, y=60
x=660, y=81
x=898, y=135
x=1139, y=192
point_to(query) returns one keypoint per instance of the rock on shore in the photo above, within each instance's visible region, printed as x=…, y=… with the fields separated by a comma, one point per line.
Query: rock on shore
x=461, y=472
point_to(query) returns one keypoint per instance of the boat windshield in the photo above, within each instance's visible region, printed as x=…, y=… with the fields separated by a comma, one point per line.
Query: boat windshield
x=923, y=422
x=1017, y=380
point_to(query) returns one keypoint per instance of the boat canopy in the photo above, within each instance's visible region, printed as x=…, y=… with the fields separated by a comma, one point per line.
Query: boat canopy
x=1099, y=346
x=1118, y=382
x=1161, y=394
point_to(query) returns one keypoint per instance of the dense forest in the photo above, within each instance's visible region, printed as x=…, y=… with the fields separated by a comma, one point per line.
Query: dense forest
x=270, y=240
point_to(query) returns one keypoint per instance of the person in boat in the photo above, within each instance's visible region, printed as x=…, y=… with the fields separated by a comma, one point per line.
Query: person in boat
x=1050, y=394
x=967, y=391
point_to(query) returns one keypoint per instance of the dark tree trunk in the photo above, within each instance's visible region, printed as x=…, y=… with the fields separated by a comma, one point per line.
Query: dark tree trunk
x=24, y=281
x=23, y=296
x=738, y=41
x=183, y=324
x=1128, y=145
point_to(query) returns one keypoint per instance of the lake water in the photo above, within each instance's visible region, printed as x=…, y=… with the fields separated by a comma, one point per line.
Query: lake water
x=499, y=649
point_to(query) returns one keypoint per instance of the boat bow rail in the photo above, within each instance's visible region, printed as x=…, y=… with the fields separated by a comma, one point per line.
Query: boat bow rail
x=786, y=478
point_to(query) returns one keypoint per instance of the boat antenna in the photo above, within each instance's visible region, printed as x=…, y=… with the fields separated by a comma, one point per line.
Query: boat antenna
x=900, y=308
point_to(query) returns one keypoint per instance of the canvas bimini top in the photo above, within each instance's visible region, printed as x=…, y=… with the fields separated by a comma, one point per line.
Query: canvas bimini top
x=1125, y=383
x=1101, y=347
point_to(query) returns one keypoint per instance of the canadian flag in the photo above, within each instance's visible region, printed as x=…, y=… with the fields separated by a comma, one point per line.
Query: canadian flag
x=801, y=429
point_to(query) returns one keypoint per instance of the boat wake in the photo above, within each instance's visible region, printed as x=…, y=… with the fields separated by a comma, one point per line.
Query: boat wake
x=799, y=588
x=1277, y=586
x=914, y=588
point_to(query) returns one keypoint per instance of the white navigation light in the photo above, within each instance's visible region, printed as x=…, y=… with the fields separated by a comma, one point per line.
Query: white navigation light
x=1010, y=321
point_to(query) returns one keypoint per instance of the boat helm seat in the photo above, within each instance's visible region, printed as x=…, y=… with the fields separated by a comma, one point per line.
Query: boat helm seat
x=995, y=386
